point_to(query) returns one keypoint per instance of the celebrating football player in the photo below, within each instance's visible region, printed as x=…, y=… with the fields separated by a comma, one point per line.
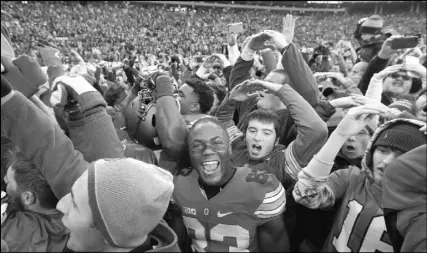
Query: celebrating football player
x=226, y=208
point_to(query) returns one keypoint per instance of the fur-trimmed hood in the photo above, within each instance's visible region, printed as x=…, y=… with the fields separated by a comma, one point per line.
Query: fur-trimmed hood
x=367, y=158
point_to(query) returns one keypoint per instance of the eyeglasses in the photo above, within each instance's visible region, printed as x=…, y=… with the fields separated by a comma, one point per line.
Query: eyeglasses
x=404, y=77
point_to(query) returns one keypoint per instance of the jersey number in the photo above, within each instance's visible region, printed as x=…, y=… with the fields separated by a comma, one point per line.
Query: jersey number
x=228, y=234
x=371, y=242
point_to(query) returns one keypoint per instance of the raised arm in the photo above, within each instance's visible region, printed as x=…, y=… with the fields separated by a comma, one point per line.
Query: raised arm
x=377, y=64
x=240, y=71
x=41, y=140
x=300, y=74
x=312, y=130
x=171, y=127
x=225, y=111
x=315, y=188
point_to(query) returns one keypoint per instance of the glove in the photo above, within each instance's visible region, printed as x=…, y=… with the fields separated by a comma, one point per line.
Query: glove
x=4, y=205
x=50, y=55
x=67, y=88
x=24, y=74
x=164, y=85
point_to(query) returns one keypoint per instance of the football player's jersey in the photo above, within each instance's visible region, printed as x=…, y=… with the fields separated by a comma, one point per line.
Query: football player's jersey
x=228, y=221
x=359, y=224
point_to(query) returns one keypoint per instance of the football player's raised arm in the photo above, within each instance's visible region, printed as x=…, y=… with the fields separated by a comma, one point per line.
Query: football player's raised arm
x=171, y=127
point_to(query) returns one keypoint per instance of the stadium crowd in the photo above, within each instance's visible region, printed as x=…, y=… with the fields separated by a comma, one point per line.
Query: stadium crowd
x=114, y=28
x=141, y=128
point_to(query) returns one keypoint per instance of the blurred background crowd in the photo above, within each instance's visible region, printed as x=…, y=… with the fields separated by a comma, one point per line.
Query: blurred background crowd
x=115, y=29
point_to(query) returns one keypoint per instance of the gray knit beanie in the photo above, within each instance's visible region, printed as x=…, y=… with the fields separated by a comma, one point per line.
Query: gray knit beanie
x=128, y=198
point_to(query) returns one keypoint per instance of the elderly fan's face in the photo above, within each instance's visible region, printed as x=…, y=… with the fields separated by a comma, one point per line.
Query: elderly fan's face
x=78, y=218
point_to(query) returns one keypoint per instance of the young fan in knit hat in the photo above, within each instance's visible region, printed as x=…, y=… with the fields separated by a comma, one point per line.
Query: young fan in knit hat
x=356, y=192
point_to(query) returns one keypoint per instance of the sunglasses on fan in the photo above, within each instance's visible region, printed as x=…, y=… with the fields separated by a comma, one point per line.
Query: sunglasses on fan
x=397, y=75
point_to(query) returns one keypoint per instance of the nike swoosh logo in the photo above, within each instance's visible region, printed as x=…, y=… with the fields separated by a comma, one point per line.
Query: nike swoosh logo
x=220, y=215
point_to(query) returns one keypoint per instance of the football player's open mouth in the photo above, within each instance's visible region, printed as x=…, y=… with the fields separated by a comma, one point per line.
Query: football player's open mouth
x=210, y=167
x=256, y=149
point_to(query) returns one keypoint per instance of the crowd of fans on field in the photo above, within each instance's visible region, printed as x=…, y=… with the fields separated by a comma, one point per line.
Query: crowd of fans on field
x=142, y=128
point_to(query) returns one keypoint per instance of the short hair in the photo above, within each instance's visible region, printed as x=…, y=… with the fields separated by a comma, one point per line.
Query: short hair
x=205, y=93
x=7, y=146
x=265, y=116
x=30, y=178
x=113, y=93
x=205, y=120
x=284, y=74
x=220, y=91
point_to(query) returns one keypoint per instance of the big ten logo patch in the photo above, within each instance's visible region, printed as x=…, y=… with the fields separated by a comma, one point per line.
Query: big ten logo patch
x=188, y=210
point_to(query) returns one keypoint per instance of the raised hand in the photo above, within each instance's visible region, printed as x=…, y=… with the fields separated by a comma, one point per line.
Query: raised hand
x=232, y=39
x=279, y=39
x=66, y=88
x=356, y=119
x=344, y=102
x=274, y=87
x=210, y=61
x=389, y=70
x=50, y=54
x=288, y=29
x=77, y=55
x=24, y=74
x=244, y=91
x=417, y=69
x=259, y=41
x=386, y=51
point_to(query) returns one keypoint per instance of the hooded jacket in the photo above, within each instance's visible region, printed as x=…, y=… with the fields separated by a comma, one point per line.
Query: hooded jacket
x=405, y=201
x=358, y=195
x=42, y=232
